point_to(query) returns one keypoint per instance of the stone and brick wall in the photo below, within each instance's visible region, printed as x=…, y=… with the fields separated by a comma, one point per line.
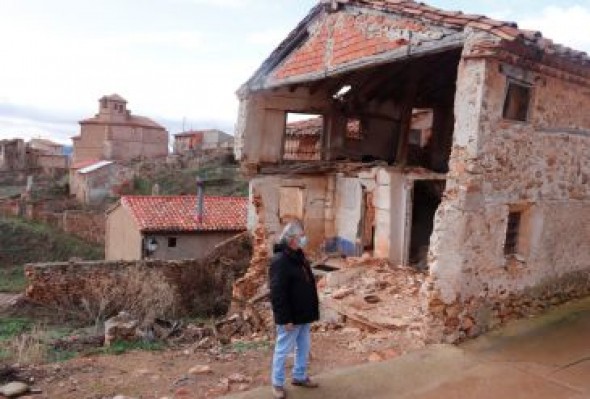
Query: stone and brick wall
x=339, y=38
x=202, y=288
x=540, y=168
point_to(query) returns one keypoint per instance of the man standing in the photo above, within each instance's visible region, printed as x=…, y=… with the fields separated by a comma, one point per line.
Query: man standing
x=295, y=306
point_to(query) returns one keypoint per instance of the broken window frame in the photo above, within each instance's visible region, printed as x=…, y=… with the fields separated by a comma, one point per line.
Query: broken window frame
x=320, y=139
x=361, y=133
x=512, y=82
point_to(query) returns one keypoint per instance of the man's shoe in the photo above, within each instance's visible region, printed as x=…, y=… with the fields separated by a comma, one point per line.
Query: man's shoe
x=307, y=383
x=279, y=392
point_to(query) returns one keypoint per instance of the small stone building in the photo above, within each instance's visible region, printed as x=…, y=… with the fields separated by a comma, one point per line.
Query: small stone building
x=115, y=134
x=493, y=196
x=93, y=182
x=170, y=227
x=46, y=147
x=203, y=141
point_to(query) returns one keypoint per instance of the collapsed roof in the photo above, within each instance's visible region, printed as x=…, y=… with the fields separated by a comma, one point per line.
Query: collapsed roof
x=386, y=30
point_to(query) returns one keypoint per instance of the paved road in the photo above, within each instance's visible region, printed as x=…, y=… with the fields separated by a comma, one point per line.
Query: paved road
x=546, y=357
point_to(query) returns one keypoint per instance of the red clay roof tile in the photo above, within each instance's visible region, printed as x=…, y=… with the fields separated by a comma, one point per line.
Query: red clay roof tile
x=503, y=29
x=178, y=213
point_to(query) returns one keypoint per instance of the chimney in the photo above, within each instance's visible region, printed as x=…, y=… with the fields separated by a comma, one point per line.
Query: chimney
x=200, y=200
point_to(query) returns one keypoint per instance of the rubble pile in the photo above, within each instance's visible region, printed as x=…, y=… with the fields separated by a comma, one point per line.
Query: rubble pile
x=372, y=295
x=250, y=312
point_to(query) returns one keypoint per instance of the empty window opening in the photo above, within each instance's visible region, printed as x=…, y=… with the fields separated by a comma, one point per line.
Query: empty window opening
x=303, y=137
x=427, y=196
x=354, y=129
x=419, y=147
x=367, y=233
x=171, y=242
x=512, y=233
x=516, y=104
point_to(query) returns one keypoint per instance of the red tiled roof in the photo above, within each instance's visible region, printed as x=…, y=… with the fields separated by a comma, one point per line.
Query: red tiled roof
x=131, y=120
x=457, y=19
x=84, y=164
x=314, y=126
x=508, y=31
x=178, y=213
x=190, y=133
x=307, y=127
x=114, y=97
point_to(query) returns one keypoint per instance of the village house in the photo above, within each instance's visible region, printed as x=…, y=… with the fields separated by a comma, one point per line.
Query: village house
x=36, y=156
x=45, y=146
x=92, y=182
x=12, y=155
x=203, y=141
x=171, y=227
x=48, y=156
x=114, y=134
x=490, y=190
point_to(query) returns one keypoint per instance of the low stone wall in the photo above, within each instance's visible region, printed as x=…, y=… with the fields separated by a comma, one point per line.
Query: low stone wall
x=470, y=317
x=90, y=226
x=200, y=288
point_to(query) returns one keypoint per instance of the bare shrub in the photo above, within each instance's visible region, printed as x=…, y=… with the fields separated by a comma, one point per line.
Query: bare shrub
x=28, y=347
x=142, y=292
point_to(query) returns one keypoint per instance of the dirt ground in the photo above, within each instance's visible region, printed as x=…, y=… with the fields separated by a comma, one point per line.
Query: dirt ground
x=375, y=318
x=165, y=374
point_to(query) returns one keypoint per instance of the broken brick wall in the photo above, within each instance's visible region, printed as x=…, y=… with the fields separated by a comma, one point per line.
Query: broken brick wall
x=336, y=39
x=540, y=168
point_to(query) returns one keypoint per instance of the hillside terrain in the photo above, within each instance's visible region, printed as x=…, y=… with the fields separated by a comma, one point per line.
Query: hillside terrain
x=220, y=174
x=28, y=242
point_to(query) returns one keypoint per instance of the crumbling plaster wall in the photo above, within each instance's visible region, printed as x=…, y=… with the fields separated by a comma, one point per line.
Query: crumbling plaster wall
x=332, y=209
x=260, y=129
x=314, y=194
x=540, y=167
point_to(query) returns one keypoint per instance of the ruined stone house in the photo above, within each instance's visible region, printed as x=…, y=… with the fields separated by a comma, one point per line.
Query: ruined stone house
x=200, y=141
x=46, y=147
x=494, y=198
x=171, y=227
x=92, y=182
x=12, y=155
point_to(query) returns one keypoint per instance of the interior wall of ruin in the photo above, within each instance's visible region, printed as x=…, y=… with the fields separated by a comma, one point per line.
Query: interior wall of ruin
x=540, y=167
x=287, y=198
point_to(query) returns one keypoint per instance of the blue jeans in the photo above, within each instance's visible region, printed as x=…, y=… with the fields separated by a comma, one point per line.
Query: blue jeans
x=300, y=340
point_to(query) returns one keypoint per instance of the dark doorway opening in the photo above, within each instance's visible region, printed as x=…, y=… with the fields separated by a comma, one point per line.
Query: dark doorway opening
x=367, y=233
x=427, y=196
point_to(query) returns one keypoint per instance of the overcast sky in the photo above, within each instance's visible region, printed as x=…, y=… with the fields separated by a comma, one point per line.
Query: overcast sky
x=175, y=60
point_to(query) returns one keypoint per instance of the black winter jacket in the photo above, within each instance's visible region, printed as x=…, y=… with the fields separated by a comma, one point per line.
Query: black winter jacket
x=293, y=291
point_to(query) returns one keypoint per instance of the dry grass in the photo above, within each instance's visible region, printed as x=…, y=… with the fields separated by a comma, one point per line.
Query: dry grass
x=29, y=347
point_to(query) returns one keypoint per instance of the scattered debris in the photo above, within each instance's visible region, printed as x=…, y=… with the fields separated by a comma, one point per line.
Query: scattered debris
x=122, y=327
x=200, y=369
x=14, y=389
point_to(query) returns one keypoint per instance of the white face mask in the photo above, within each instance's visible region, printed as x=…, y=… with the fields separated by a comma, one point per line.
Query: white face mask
x=302, y=241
